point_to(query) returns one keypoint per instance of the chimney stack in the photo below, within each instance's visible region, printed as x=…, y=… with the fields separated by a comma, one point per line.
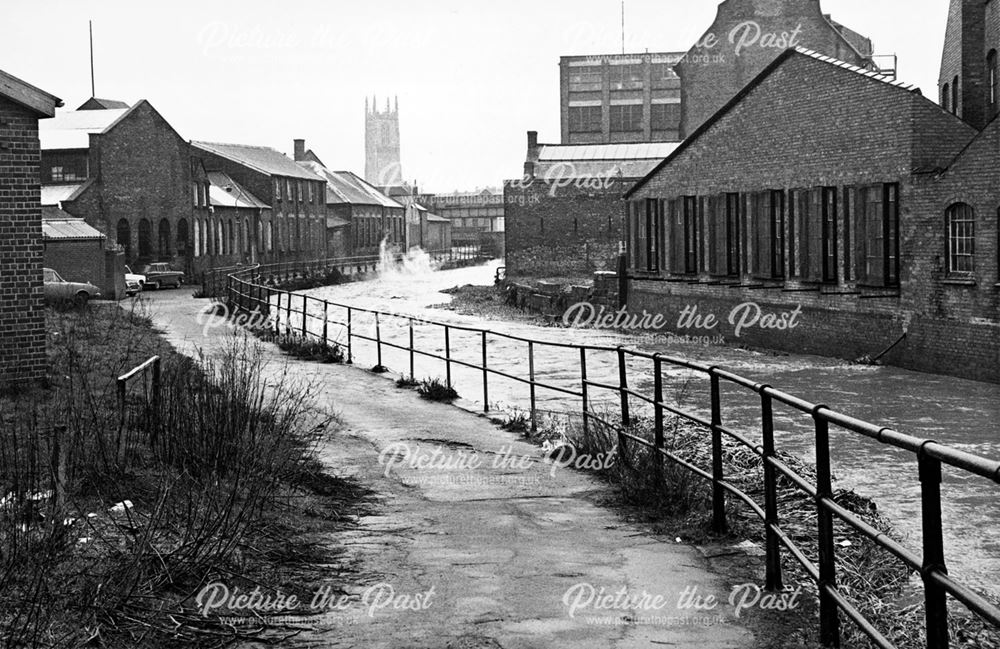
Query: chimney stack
x=300, y=150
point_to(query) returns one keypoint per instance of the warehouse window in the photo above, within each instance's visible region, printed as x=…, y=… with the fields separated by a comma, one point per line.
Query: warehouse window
x=961, y=240
x=626, y=118
x=585, y=119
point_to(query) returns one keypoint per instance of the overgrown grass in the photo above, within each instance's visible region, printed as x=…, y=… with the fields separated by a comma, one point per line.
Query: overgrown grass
x=310, y=349
x=435, y=390
x=405, y=382
x=110, y=524
x=680, y=500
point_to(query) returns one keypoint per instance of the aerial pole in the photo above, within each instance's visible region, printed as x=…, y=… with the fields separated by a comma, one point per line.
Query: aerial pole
x=93, y=91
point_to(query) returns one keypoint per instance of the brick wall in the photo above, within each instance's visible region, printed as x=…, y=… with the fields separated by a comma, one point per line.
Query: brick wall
x=142, y=175
x=77, y=260
x=561, y=230
x=711, y=76
x=964, y=58
x=22, y=316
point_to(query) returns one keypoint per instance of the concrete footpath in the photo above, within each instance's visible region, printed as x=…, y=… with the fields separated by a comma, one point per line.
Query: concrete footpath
x=476, y=541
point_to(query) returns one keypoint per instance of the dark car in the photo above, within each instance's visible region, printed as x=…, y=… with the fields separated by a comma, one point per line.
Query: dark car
x=161, y=275
x=59, y=290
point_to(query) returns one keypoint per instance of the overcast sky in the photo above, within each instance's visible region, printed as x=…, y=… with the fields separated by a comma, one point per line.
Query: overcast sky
x=472, y=76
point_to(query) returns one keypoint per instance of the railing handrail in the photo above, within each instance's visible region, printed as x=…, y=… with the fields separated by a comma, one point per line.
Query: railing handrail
x=929, y=454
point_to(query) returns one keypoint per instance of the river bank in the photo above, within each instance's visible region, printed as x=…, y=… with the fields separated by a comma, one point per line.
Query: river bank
x=112, y=522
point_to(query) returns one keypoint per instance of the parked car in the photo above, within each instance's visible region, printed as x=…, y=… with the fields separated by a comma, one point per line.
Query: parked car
x=133, y=283
x=162, y=275
x=59, y=290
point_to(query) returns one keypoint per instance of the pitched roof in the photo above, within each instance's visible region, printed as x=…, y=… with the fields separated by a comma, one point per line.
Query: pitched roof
x=346, y=188
x=264, y=159
x=95, y=103
x=58, y=224
x=597, y=160
x=742, y=94
x=56, y=194
x=27, y=95
x=434, y=218
x=71, y=129
x=235, y=196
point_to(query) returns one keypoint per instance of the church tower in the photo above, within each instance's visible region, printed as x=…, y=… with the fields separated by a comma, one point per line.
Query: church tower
x=382, y=159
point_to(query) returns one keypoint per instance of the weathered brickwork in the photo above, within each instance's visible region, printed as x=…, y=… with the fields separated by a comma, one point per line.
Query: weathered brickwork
x=22, y=316
x=711, y=75
x=78, y=261
x=139, y=192
x=561, y=230
x=871, y=150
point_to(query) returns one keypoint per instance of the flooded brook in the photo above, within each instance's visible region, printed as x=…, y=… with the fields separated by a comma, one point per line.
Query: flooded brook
x=959, y=413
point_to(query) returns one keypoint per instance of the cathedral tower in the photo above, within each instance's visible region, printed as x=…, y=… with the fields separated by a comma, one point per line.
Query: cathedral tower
x=382, y=159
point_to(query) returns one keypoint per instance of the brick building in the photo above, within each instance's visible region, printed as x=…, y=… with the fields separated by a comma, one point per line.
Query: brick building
x=746, y=36
x=237, y=229
x=620, y=98
x=78, y=252
x=128, y=173
x=564, y=215
x=22, y=317
x=359, y=215
x=662, y=97
x=295, y=227
x=477, y=218
x=858, y=203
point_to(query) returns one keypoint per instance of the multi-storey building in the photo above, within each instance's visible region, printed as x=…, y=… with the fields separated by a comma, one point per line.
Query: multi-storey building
x=295, y=226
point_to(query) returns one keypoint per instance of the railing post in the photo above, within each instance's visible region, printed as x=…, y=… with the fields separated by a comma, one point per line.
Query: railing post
x=412, y=369
x=718, y=492
x=935, y=597
x=531, y=384
x=658, y=401
x=154, y=420
x=350, y=336
x=829, y=615
x=486, y=379
x=583, y=390
x=378, y=339
x=288, y=315
x=326, y=320
x=122, y=386
x=277, y=316
x=447, y=354
x=772, y=543
x=305, y=310
x=623, y=387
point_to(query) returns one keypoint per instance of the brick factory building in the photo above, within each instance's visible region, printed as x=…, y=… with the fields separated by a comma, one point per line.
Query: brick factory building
x=22, y=317
x=661, y=97
x=860, y=205
x=126, y=172
x=563, y=217
x=293, y=229
x=477, y=218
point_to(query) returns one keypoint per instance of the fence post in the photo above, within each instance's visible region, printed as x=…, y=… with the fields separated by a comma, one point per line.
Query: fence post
x=658, y=401
x=623, y=386
x=277, y=316
x=288, y=315
x=326, y=319
x=447, y=354
x=350, y=336
x=531, y=378
x=772, y=543
x=829, y=616
x=121, y=404
x=412, y=369
x=935, y=597
x=583, y=384
x=718, y=493
x=305, y=309
x=486, y=379
x=378, y=339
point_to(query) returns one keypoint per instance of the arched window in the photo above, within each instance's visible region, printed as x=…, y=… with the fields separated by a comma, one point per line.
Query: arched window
x=954, y=96
x=991, y=79
x=946, y=97
x=163, y=247
x=961, y=224
x=219, y=238
x=145, y=239
x=182, y=238
x=197, y=237
x=124, y=237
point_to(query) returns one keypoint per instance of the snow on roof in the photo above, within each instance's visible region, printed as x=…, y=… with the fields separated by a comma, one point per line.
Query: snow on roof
x=235, y=196
x=71, y=129
x=56, y=194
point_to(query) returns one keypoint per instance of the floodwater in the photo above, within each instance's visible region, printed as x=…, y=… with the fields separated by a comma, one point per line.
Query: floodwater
x=963, y=414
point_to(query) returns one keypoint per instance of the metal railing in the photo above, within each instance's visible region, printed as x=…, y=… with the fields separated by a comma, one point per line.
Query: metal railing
x=215, y=281
x=294, y=313
x=139, y=392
